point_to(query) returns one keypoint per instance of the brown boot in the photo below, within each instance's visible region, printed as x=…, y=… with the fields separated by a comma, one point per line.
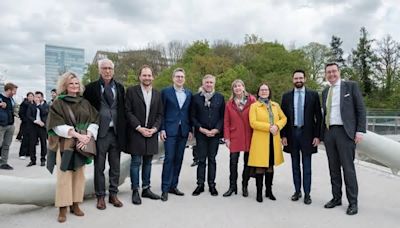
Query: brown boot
x=113, y=199
x=74, y=209
x=101, y=204
x=62, y=216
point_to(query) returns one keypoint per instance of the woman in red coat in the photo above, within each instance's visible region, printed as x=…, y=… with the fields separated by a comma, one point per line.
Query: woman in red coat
x=237, y=134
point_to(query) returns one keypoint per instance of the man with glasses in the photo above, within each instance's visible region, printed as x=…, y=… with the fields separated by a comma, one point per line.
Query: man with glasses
x=108, y=97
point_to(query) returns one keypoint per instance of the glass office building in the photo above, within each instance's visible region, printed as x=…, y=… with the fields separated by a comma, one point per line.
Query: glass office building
x=58, y=60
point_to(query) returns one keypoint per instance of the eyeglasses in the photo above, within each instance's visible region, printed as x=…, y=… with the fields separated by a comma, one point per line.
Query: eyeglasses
x=107, y=68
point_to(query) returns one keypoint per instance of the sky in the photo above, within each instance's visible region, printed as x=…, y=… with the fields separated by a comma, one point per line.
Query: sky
x=26, y=26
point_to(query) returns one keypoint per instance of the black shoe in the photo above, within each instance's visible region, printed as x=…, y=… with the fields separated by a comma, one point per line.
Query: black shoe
x=259, y=197
x=296, y=196
x=213, y=191
x=333, y=203
x=176, y=192
x=231, y=190
x=245, y=192
x=352, y=209
x=136, y=197
x=147, y=193
x=6, y=166
x=307, y=199
x=194, y=163
x=42, y=163
x=164, y=196
x=199, y=189
x=31, y=164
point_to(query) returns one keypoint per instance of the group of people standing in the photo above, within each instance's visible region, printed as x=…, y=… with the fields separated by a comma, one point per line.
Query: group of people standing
x=33, y=113
x=135, y=120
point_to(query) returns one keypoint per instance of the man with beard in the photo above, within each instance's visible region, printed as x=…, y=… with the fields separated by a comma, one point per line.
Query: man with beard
x=301, y=134
x=144, y=112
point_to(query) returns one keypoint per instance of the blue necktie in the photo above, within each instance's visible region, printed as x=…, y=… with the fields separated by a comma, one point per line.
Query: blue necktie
x=300, y=109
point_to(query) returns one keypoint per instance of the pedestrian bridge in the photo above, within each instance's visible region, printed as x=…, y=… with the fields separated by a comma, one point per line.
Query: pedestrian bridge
x=379, y=204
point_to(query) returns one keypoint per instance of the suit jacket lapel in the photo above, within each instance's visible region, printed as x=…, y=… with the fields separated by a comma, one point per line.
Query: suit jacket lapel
x=140, y=93
x=175, y=98
x=343, y=91
x=291, y=103
x=187, y=98
x=98, y=90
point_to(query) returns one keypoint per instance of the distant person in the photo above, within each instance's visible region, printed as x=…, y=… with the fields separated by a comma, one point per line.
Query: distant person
x=144, y=110
x=237, y=134
x=64, y=141
x=53, y=94
x=24, y=150
x=267, y=120
x=37, y=116
x=301, y=134
x=108, y=97
x=343, y=126
x=175, y=131
x=7, y=128
x=207, y=112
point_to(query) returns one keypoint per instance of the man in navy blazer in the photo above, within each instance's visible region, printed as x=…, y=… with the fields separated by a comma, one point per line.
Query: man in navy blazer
x=301, y=134
x=175, y=131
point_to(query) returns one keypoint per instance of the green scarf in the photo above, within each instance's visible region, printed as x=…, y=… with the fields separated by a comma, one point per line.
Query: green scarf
x=85, y=114
x=267, y=103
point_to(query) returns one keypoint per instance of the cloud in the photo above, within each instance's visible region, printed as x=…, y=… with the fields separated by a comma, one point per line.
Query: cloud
x=126, y=24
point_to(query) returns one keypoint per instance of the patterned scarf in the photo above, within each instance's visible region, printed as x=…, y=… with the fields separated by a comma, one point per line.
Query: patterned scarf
x=269, y=108
x=207, y=96
x=240, y=103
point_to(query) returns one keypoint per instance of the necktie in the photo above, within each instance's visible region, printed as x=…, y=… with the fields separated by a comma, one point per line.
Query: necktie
x=300, y=109
x=108, y=94
x=328, y=107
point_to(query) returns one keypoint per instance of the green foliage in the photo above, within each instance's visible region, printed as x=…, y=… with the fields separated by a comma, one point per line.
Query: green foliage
x=92, y=74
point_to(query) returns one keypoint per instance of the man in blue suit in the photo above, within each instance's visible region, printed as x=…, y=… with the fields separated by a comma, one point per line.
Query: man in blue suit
x=175, y=131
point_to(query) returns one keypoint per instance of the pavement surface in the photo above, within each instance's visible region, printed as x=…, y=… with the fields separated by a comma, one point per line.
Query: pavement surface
x=379, y=201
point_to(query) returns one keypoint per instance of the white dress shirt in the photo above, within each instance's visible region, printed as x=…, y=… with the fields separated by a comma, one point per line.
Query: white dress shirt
x=336, y=117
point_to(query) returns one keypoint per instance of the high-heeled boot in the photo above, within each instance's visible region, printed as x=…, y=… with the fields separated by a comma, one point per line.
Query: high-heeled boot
x=74, y=209
x=62, y=215
x=259, y=185
x=269, y=176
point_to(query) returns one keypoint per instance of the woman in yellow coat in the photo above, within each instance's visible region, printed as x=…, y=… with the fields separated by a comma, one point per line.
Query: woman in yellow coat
x=267, y=120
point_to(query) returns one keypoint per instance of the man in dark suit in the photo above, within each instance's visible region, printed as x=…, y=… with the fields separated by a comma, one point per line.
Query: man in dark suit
x=343, y=125
x=175, y=131
x=36, y=115
x=144, y=110
x=207, y=113
x=108, y=97
x=303, y=110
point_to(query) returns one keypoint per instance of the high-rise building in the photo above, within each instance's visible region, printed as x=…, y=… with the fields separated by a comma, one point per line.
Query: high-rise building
x=59, y=60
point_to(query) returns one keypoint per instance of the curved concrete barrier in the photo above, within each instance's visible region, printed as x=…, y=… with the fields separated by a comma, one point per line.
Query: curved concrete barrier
x=41, y=192
x=380, y=149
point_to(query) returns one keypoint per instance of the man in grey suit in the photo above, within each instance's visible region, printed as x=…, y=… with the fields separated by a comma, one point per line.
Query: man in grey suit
x=343, y=127
x=108, y=97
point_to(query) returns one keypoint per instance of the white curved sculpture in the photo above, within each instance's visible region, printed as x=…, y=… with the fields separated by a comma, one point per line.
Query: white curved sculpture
x=381, y=149
x=13, y=190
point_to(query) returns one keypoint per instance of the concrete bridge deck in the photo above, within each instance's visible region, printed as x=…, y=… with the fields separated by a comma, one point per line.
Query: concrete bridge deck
x=379, y=201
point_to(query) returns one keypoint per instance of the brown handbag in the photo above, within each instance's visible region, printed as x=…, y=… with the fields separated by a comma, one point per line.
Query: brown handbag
x=90, y=149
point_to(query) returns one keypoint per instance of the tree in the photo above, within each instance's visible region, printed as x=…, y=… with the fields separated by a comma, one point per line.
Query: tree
x=317, y=54
x=389, y=62
x=175, y=51
x=364, y=60
x=336, y=52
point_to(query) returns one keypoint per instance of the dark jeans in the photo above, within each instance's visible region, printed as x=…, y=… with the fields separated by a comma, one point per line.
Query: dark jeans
x=233, y=168
x=136, y=162
x=37, y=132
x=174, y=151
x=340, y=150
x=107, y=145
x=207, y=148
x=306, y=162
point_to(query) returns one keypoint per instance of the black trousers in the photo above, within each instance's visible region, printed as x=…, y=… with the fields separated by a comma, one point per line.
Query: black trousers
x=37, y=132
x=24, y=148
x=207, y=148
x=233, y=168
x=107, y=146
x=340, y=150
